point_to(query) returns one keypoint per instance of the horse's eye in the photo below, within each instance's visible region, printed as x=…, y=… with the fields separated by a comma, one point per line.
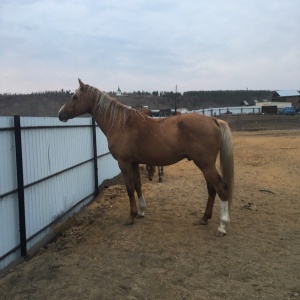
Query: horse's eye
x=75, y=97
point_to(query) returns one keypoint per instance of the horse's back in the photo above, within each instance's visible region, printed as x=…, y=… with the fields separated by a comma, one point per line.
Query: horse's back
x=198, y=124
x=185, y=127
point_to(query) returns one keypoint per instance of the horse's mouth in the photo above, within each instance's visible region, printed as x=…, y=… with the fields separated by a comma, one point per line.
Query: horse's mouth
x=62, y=118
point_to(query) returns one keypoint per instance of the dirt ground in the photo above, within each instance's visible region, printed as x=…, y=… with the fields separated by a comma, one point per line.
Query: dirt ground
x=165, y=256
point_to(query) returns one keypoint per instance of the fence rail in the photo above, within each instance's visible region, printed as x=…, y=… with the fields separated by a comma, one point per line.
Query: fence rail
x=230, y=110
x=48, y=170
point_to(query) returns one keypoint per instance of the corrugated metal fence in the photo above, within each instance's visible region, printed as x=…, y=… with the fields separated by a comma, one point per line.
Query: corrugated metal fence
x=48, y=170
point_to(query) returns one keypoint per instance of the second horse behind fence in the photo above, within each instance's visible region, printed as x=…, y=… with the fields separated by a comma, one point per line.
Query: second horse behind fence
x=151, y=172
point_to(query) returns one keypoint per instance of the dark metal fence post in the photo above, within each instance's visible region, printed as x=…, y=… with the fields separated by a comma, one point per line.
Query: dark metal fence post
x=95, y=157
x=20, y=179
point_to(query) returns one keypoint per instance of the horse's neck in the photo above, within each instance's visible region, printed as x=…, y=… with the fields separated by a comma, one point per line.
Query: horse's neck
x=108, y=119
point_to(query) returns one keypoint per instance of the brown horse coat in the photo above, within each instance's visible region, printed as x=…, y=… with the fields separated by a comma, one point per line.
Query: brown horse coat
x=134, y=139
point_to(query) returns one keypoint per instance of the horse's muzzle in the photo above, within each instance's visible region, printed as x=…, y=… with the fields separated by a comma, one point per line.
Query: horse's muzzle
x=63, y=117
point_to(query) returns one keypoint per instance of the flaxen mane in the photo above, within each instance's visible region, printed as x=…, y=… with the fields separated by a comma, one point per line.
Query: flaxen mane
x=118, y=112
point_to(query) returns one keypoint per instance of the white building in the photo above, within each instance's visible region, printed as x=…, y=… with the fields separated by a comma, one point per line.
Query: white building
x=119, y=92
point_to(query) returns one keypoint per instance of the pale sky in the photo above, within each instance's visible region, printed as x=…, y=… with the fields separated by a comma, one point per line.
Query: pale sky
x=149, y=45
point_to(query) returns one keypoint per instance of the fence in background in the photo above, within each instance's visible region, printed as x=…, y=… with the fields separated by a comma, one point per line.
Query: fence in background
x=230, y=110
x=48, y=170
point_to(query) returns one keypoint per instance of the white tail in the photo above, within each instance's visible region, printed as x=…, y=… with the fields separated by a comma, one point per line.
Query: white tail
x=226, y=158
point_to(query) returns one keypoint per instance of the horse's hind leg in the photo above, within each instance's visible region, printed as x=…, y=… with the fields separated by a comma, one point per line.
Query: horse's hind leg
x=216, y=185
x=138, y=189
x=209, y=206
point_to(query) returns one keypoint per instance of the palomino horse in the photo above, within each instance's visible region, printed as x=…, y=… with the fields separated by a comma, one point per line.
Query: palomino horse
x=151, y=171
x=133, y=139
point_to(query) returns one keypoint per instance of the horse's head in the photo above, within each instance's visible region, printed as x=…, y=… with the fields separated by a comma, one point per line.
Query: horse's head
x=77, y=105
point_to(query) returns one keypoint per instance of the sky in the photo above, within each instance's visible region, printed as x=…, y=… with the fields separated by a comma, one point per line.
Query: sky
x=149, y=45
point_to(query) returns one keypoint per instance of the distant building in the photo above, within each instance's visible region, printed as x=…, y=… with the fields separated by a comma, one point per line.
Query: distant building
x=272, y=103
x=270, y=107
x=266, y=106
x=292, y=96
x=249, y=102
x=119, y=92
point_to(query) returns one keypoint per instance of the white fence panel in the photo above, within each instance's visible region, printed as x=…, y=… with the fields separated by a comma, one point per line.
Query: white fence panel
x=8, y=180
x=46, y=152
x=107, y=168
x=9, y=223
x=9, y=228
x=58, y=171
x=48, y=200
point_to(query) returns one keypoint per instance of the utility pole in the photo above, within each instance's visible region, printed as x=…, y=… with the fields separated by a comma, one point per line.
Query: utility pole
x=175, y=100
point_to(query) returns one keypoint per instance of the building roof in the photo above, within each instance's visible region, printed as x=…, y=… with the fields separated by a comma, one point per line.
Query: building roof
x=249, y=102
x=286, y=93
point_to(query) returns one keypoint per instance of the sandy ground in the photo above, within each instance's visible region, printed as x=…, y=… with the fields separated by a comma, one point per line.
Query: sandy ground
x=165, y=256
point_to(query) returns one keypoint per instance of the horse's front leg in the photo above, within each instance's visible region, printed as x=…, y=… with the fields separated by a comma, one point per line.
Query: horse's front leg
x=128, y=174
x=138, y=189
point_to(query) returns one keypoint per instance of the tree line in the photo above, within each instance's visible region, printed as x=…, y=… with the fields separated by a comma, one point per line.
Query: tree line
x=195, y=99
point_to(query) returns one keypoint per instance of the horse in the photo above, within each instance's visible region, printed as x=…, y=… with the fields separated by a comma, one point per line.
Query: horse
x=151, y=171
x=134, y=138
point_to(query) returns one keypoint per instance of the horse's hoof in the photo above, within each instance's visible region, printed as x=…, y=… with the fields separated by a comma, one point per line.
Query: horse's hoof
x=201, y=222
x=128, y=222
x=141, y=215
x=220, y=234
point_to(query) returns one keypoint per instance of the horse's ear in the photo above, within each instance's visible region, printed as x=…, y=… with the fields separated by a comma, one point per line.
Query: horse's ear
x=82, y=85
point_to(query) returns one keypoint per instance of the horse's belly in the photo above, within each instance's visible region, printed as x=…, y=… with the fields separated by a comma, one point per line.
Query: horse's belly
x=157, y=158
